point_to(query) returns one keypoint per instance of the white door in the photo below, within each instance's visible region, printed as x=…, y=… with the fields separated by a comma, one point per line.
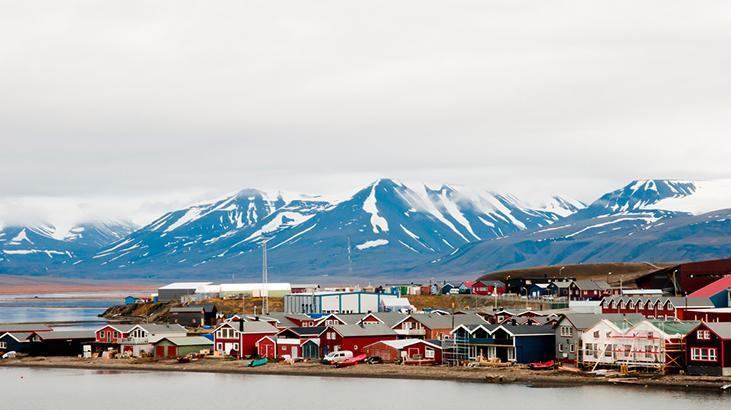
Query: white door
x=295, y=353
x=228, y=347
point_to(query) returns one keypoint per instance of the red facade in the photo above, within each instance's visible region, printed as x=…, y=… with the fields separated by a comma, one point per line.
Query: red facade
x=650, y=308
x=267, y=347
x=108, y=334
x=331, y=341
x=419, y=352
x=706, y=352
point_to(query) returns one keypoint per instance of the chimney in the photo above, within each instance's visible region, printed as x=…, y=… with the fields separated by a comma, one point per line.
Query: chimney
x=241, y=326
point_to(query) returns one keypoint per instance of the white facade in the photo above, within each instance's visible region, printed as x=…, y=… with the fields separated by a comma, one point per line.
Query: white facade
x=337, y=302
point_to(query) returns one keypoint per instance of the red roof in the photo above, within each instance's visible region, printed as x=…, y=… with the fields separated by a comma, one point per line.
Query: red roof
x=713, y=288
x=469, y=283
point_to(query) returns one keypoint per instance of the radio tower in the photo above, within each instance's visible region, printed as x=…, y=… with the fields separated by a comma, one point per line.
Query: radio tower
x=264, y=278
x=350, y=258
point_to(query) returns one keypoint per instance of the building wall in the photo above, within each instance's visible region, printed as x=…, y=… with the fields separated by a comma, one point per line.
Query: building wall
x=166, y=295
x=699, y=367
x=529, y=349
x=566, y=342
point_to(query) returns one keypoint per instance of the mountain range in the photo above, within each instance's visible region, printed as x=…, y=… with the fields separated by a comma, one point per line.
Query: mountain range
x=386, y=229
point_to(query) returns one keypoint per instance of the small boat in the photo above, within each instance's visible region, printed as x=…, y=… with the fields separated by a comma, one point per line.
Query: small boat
x=184, y=359
x=548, y=365
x=257, y=362
x=352, y=361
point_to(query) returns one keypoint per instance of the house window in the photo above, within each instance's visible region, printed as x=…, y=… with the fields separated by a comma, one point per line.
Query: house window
x=596, y=334
x=236, y=347
x=566, y=331
x=608, y=351
x=219, y=346
x=703, y=335
x=704, y=354
x=355, y=347
x=572, y=348
x=429, y=353
x=3, y=345
x=284, y=348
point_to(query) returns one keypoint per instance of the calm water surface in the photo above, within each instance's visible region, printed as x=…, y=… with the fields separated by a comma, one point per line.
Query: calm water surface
x=89, y=389
x=82, y=308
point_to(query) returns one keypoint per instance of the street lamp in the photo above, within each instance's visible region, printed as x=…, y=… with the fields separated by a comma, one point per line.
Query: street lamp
x=608, y=275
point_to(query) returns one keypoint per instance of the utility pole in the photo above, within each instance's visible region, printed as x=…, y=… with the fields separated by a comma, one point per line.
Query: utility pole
x=350, y=257
x=264, y=279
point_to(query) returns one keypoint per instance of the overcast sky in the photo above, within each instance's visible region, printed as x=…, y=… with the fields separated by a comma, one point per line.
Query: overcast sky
x=128, y=108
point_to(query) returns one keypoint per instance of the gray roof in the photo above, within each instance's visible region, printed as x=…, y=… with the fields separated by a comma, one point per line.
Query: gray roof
x=207, y=307
x=433, y=321
x=365, y=330
x=120, y=327
x=583, y=321
x=528, y=330
x=723, y=329
x=389, y=318
x=677, y=301
x=254, y=326
x=561, y=284
x=31, y=327
x=188, y=341
x=66, y=334
x=155, y=328
x=19, y=336
x=592, y=285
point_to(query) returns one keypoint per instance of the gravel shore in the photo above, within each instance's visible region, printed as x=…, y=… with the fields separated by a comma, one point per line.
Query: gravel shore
x=463, y=374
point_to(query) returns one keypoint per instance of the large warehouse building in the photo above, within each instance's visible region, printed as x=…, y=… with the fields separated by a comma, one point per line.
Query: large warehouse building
x=334, y=302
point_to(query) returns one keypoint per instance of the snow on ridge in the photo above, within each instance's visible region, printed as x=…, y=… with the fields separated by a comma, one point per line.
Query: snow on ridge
x=371, y=244
x=709, y=196
x=378, y=223
x=278, y=222
x=22, y=236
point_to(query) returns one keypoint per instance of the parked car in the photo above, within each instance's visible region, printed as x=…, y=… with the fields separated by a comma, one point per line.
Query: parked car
x=10, y=355
x=374, y=360
x=334, y=357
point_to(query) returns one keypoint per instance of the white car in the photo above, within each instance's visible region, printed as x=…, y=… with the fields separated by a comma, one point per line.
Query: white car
x=336, y=357
x=10, y=355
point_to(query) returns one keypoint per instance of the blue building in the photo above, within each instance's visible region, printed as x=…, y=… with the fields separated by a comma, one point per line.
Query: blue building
x=509, y=343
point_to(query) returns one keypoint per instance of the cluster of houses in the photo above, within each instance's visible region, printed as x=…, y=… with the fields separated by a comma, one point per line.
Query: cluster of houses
x=636, y=329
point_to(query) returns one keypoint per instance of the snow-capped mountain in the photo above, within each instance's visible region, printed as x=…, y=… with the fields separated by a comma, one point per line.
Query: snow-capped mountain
x=385, y=221
x=387, y=228
x=45, y=244
x=646, y=220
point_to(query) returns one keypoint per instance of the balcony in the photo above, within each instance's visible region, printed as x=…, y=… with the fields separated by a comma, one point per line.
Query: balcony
x=411, y=332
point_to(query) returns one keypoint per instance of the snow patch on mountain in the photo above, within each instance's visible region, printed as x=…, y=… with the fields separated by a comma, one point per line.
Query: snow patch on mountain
x=707, y=196
x=372, y=244
x=370, y=205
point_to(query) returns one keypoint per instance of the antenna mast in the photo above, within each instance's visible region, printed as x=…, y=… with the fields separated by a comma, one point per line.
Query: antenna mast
x=264, y=278
x=350, y=258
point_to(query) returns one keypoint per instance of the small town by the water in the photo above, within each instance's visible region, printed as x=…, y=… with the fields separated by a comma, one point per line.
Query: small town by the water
x=669, y=327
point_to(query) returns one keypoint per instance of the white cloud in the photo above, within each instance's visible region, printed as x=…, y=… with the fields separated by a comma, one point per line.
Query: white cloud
x=135, y=99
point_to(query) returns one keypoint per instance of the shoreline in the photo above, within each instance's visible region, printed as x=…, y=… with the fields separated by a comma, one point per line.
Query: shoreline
x=545, y=379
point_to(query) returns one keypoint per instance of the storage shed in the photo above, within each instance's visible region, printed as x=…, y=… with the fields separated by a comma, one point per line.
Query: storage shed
x=181, y=346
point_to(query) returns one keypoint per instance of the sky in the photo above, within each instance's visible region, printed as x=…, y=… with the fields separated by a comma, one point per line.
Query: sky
x=126, y=109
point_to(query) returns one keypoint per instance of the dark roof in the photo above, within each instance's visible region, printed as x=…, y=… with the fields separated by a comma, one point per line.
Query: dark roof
x=528, y=330
x=307, y=331
x=66, y=334
x=19, y=336
x=206, y=307
x=32, y=327
x=365, y=330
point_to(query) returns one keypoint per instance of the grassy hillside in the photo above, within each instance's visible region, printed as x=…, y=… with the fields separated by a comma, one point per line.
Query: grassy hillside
x=627, y=272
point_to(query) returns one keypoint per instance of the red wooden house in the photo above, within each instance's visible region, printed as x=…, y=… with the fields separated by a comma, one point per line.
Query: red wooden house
x=239, y=338
x=488, y=287
x=407, y=351
x=708, y=350
x=655, y=307
x=354, y=337
x=112, y=334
